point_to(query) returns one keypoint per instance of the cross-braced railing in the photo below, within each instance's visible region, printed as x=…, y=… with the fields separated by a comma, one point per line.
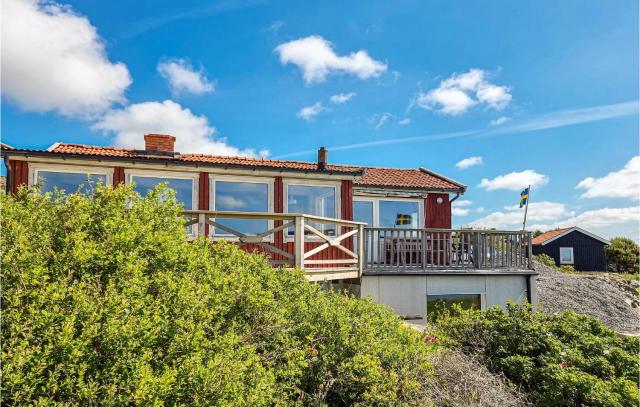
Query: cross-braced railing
x=326, y=248
x=411, y=250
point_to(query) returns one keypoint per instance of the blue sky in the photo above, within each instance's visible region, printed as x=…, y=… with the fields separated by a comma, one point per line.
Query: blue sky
x=543, y=92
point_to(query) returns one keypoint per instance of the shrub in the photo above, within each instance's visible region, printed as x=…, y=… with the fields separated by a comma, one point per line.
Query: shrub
x=545, y=259
x=107, y=305
x=560, y=360
x=567, y=268
x=623, y=255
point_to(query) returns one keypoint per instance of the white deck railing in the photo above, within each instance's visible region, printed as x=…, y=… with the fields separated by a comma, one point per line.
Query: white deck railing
x=323, y=247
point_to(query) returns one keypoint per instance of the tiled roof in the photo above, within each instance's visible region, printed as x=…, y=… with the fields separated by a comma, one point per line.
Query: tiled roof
x=371, y=176
x=548, y=235
x=405, y=178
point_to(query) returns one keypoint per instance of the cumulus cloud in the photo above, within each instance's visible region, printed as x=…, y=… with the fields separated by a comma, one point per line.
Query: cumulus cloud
x=514, y=181
x=458, y=93
x=500, y=120
x=469, y=162
x=54, y=60
x=183, y=78
x=512, y=216
x=341, y=98
x=404, y=122
x=316, y=59
x=460, y=207
x=608, y=222
x=309, y=113
x=193, y=133
x=617, y=184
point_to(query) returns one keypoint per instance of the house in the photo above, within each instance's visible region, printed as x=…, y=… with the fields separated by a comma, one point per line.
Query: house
x=573, y=247
x=380, y=232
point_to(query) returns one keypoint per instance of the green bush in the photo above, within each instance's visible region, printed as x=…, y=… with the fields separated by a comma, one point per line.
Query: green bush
x=567, y=268
x=112, y=306
x=545, y=259
x=559, y=360
x=623, y=255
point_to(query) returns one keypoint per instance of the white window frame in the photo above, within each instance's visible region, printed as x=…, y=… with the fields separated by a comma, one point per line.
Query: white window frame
x=322, y=184
x=36, y=168
x=376, y=207
x=560, y=255
x=194, y=177
x=213, y=178
x=483, y=298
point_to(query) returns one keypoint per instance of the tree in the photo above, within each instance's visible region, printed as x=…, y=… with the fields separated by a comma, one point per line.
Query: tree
x=623, y=255
x=106, y=302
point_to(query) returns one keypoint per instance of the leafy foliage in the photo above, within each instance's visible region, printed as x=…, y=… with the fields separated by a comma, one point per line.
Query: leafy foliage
x=560, y=360
x=623, y=255
x=545, y=259
x=104, y=301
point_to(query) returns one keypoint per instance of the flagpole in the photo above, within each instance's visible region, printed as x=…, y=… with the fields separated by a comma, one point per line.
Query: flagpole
x=524, y=223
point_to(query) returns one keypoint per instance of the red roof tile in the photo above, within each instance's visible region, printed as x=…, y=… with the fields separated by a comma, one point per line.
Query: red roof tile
x=548, y=235
x=371, y=176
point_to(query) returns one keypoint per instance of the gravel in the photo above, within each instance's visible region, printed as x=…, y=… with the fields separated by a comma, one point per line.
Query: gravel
x=601, y=295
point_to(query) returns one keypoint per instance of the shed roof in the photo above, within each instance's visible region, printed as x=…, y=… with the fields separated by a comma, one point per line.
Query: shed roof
x=552, y=235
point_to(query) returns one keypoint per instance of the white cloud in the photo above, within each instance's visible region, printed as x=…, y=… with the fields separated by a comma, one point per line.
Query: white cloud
x=460, y=207
x=380, y=119
x=404, y=122
x=54, y=60
x=228, y=201
x=512, y=216
x=309, y=113
x=193, y=133
x=458, y=93
x=341, y=98
x=617, y=184
x=608, y=222
x=183, y=78
x=480, y=209
x=469, y=162
x=500, y=120
x=514, y=181
x=316, y=58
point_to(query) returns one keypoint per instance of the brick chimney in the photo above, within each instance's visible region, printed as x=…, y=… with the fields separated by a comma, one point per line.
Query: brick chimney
x=159, y=142
x=323, y=156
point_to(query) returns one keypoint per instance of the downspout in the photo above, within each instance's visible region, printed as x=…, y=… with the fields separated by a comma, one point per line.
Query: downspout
x=9, y=185
x=528, y=282
x=455, y=197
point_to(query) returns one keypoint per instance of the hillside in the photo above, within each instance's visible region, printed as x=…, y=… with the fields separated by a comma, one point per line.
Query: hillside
x=601, y=295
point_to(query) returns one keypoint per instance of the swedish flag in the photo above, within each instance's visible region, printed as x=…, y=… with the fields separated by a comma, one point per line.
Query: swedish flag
x=524, y=197
x=402, y=219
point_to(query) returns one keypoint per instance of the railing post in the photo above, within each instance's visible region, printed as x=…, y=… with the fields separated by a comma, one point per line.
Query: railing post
x=360, y=252
x=201, y=224
x=476, y=250
x=299, y=242
x=530, y=250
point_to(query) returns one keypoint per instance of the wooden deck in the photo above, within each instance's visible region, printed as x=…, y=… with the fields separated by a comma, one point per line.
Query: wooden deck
x=335, y=249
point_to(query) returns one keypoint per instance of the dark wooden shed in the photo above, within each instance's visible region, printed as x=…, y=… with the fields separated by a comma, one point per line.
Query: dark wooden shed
x=573, y=247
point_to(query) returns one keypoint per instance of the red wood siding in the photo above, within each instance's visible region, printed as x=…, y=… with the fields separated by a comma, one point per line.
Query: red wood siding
x=346, y=205
x=437, y=215
x=278, y=207
x=203, y=195
x=18, y=175
x=118, y=176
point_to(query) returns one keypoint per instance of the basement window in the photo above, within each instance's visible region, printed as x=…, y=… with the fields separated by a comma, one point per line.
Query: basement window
x=441, y=303
x=566, y=255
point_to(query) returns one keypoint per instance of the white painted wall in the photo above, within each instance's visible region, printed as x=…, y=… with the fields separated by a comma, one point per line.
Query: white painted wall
x=407, y=295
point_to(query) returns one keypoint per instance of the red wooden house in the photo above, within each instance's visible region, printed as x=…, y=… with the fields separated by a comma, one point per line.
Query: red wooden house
x=385, y=232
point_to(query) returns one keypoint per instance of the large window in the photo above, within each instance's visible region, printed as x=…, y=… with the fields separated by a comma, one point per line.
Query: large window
x=388, y=213
x=313, y=200
x=182, y=186
x=69, y=182
x=566, y=255
x=399, y=214
x=439, y=304
x=241, y=196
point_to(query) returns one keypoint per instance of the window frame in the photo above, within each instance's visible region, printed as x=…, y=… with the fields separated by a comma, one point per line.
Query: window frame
x=129, y=174
x=213, y=178
x=337, y=185
x=572, y=261
x=483, y=298
x=35, y=168
x=376, y=207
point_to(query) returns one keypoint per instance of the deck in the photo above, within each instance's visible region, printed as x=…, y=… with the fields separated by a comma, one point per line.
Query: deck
x=336, y=249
